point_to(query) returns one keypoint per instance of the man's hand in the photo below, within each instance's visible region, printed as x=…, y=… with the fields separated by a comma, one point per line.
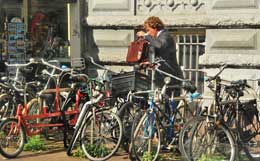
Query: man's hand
x=146, y=64
x=140, y=34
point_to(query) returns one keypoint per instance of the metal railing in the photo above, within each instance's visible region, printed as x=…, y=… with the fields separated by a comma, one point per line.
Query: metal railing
x=189, y=47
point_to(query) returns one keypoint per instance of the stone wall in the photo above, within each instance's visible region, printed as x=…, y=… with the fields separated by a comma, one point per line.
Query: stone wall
x=232, y=28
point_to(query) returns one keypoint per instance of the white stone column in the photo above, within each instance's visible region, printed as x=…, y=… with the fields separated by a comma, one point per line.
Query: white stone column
x=75, y=28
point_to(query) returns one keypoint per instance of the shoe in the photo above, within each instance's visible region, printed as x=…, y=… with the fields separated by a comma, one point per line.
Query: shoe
x=165, y=149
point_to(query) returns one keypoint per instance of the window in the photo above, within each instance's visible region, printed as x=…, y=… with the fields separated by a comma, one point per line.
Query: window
x=190, y=45
x=47, y=28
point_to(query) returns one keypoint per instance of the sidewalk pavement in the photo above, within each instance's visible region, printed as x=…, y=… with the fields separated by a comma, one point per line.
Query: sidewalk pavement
x=57, y=155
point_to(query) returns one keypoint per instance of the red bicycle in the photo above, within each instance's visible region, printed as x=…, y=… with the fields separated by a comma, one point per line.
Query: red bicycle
x=60, y=114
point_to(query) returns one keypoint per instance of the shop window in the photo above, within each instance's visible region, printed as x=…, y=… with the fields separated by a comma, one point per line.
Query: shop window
x=47, y=29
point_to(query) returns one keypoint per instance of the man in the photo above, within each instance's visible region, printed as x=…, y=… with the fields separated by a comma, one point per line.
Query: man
x=162, y=45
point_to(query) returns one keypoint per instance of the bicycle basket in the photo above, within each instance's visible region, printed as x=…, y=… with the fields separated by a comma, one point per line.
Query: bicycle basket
x=122, y=83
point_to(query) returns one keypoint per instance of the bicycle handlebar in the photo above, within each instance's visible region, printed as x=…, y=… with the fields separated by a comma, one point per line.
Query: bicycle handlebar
x=19, y=65
x=98, y=65
x=172, y=76
x=216, y=75
x=155, y=65
x=52, y=66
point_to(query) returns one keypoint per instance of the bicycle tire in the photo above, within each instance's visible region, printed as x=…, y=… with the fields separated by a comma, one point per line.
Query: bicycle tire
x=248, y=129
x=185, y=138
x=142, y=142
x=179, y=116
x=127, y=113
x=6, y=143
x=210, y=142
x=139, y=114
x=68, y=129
x=73, y=141
x=33, y=107
x=4, y=99
x=107, y=125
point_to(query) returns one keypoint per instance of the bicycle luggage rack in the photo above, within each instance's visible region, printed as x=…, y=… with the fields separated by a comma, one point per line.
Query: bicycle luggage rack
x=78, y=63
x=124, y=82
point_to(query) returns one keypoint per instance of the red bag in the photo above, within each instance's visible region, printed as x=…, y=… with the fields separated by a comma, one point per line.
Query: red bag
x=137, y=51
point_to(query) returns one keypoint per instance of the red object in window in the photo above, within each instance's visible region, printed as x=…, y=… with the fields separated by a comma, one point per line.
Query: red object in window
x=37, y=19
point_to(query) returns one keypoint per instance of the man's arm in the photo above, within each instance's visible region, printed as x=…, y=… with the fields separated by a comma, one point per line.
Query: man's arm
x=159, y=42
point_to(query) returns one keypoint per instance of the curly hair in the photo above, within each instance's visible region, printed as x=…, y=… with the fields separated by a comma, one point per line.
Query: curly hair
x=154, y=22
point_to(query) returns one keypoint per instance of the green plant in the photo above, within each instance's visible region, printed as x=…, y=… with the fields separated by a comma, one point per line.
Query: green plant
x=79, y=153
x=242, y=157
x=2, y=134
x=34, y=144
x=211, y=158
x=97, y=150
x=148, y=156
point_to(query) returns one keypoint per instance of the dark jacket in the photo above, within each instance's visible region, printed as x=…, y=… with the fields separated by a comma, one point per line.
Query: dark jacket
x=165, y=47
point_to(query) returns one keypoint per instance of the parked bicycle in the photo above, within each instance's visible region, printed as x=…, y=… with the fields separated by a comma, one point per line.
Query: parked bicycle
x=98, y=128
x=232, y=126
x=159, y=125
x=14, y=131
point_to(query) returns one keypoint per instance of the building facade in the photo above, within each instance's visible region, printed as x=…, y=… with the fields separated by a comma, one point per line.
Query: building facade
x=208, y=32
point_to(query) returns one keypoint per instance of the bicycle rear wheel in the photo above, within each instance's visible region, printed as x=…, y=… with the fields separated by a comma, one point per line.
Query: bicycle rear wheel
x=185, y=137
x=101, y=135
x=146, y=138
x=249, y=129
x=12, y=138
x=127, y=113
x=212, y=141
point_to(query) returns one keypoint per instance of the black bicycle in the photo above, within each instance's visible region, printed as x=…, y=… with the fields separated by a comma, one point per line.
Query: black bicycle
x=98, y=129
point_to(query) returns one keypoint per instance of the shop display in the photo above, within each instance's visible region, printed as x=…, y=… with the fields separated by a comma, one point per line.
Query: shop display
x=16, y=42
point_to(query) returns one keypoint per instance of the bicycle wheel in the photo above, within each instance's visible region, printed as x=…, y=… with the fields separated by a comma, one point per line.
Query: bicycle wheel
x=212, y=141
x=179, y=117
x=101, y=135
x=33, y=107
x=7, y=106
x=146, y=138
x=248, y=129
x=127, y=113
x=12, y=138
x=185, y=137
x=4, y=105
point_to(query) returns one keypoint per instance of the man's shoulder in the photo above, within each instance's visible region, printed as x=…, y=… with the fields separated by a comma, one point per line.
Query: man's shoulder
x=165, y=33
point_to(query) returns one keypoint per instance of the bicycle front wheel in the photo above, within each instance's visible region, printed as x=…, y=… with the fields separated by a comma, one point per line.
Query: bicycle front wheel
x=146, y=138
x=101, y=135
x=12, y=138
x=212, y=141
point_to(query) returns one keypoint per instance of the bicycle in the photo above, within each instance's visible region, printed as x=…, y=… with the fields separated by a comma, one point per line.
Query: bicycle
x=244, y=122
x=98, y=128
x=11, y=96
x=219, y=134
x=153, y=126
x=14, y=131
x=208, y=103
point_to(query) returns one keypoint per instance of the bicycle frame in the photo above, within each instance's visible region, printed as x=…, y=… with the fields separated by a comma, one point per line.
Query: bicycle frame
x=155, y=111
x=23, y=117
x=83, y=116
